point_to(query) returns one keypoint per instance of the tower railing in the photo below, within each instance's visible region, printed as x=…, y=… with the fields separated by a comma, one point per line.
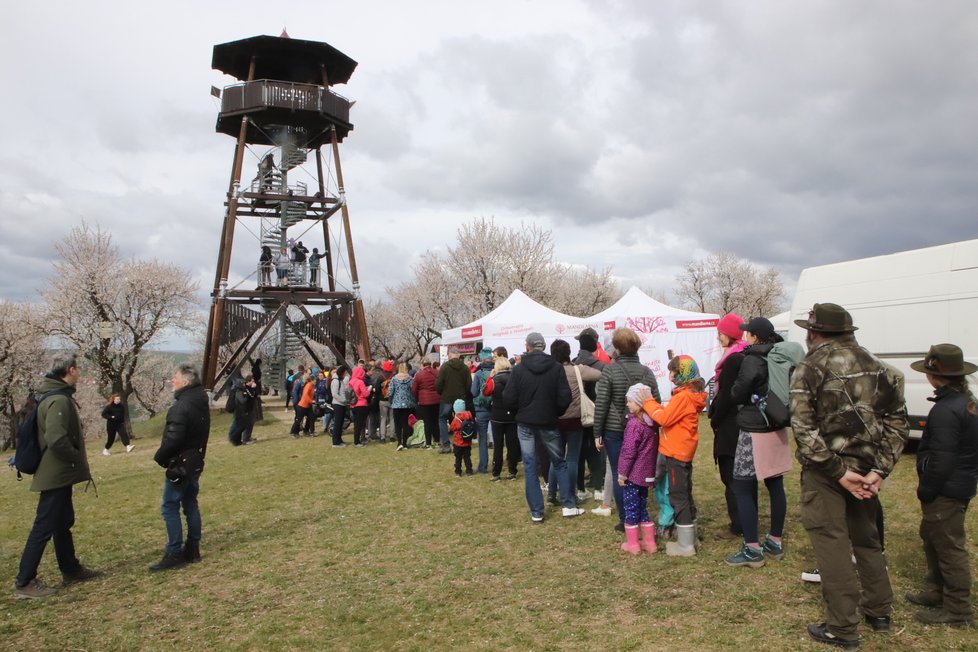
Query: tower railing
x=267, y=93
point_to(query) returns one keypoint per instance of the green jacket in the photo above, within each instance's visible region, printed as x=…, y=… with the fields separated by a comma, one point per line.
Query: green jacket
x=63, y=459
x=847, y=410
x=453, y=382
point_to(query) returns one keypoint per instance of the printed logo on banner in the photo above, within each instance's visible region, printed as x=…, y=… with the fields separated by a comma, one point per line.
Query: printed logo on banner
x=656, y=367
x=609, y=325
x=647, y=324
x=560, y=329
x=507, y=331
x=697, y=323
x=474, y=331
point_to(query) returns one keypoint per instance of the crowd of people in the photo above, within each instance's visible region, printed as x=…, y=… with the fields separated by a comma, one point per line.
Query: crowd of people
x=596, y=426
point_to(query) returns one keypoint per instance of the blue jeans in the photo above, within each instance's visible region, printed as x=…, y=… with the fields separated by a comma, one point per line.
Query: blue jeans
x=445, y=413
x=482, y=425
x=612, y=442
x=174, y=496
x=550, y=438
x=572, y=441
x=327, y=419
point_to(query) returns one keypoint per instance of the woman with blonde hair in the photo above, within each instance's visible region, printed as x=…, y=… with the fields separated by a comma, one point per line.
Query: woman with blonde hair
x=503, y=421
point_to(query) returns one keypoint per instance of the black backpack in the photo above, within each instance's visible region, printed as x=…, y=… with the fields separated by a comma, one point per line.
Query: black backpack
x=27, y=456
x=468, y=429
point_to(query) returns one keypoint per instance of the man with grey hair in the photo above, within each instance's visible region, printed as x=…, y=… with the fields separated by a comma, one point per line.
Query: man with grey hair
x=538, y=393
x=181, y=453
x=63, y=464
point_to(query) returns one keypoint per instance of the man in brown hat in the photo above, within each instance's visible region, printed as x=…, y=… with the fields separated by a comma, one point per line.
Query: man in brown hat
x=947, y=468
x=850, y=425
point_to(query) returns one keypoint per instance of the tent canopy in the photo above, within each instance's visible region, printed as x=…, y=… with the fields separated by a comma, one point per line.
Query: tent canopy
x=664, y=331
x=637, y=302
x=511, y=321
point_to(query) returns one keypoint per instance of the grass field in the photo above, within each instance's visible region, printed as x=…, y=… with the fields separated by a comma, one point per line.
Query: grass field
x=311, y=548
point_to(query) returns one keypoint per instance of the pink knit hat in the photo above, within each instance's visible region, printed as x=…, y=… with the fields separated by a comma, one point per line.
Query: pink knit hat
x=730, y=326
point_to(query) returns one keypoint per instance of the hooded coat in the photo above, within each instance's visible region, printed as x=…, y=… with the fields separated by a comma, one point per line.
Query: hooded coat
x=359, y=387
x=63, y=459
x=453, y=382
x=537, y=391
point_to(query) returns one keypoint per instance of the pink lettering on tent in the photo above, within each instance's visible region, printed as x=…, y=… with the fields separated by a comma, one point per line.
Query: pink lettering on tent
x=647, y=324
x=697, y=323
x=656, y=367
x=473, y=331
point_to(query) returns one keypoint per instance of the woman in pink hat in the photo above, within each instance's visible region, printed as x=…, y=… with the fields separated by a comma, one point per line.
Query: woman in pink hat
x=723, y=415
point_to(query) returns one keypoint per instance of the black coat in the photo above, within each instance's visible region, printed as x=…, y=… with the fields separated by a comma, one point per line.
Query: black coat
x=500, y=411
x=244, y=400
x=947, y=458
x=751, y=379
x=188, y=424
x=537, y=390
x=723, y=409
x=114, y=412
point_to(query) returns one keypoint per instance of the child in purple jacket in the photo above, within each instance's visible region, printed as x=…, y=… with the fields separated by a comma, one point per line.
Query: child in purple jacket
x=636, y=473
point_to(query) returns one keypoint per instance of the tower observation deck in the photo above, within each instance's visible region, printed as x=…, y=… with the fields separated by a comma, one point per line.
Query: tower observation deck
x=283, y=113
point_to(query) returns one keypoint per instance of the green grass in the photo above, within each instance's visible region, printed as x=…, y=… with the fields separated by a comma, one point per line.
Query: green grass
x=307, y=547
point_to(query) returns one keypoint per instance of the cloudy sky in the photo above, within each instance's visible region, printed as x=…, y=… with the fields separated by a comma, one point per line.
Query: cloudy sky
x=643, y=134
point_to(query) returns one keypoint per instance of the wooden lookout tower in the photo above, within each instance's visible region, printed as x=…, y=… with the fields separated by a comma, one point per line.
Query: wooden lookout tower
x=282, y=114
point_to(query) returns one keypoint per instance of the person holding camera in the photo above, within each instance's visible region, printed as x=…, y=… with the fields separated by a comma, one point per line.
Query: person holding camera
x=181, y=453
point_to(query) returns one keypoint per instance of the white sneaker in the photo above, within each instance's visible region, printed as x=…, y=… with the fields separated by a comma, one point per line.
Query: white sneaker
x=583, y=495
x=571, y=512
x=598, y=495
x=105, y=451
x=603, y=510
x=130, y=447
x=812, y=576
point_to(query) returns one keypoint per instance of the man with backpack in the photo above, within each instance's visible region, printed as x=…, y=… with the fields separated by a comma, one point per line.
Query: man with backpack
x=63, y=464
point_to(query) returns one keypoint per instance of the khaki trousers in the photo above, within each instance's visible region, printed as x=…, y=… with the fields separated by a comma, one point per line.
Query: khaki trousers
x=945, y=545
x=840, y=526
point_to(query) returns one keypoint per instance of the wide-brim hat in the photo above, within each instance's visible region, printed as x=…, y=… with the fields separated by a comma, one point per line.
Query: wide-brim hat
x=827, y=318
x=944, y=360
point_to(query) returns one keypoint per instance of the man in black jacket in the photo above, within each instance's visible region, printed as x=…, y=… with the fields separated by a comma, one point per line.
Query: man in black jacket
x=181, y=453
x=947, y=470
x=538, y=394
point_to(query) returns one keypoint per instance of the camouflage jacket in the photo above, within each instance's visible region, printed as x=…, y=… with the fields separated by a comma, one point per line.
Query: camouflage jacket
x=847, y=410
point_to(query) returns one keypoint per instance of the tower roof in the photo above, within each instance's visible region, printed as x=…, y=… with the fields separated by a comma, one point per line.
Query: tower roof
x=285, y=59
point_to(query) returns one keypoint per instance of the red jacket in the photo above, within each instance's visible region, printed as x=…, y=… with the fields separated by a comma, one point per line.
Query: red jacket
x=456, y=429
x=423, y=387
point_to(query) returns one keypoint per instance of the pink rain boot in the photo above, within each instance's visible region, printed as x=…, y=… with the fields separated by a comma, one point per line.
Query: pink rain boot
x=648, y=538
x=631, y=544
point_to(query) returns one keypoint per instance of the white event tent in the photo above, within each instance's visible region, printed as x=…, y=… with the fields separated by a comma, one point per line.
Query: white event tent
x=663, y=330
x=509, y=324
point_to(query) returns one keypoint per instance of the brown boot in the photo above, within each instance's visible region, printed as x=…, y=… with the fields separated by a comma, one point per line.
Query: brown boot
x=941, y=617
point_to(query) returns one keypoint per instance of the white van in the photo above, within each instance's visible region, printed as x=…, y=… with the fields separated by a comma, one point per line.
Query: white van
x=902, y=303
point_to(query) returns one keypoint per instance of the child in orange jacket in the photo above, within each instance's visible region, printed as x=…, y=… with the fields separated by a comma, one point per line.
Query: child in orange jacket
x=462, y=428
x=678, y=440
